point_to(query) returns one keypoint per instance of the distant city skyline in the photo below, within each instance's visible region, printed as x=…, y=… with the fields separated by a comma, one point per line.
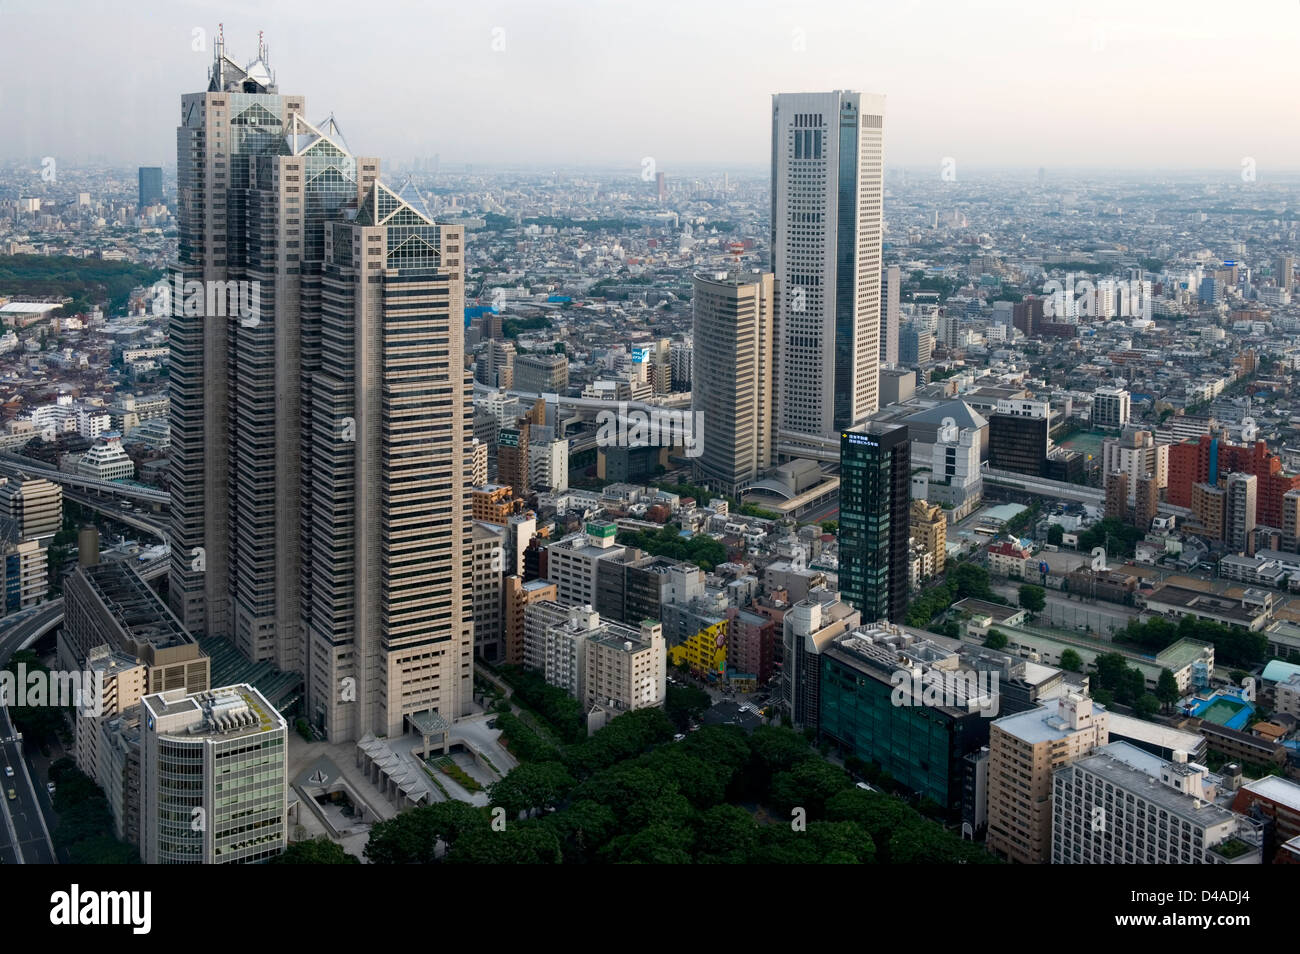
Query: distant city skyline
x=1102, y=85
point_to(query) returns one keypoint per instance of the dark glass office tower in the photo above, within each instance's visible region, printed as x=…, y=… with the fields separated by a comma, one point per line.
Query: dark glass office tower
x=150, y=186
x=875, y=492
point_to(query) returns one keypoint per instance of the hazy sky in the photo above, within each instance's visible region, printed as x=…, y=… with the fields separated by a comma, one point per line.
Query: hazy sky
x=1111, y=83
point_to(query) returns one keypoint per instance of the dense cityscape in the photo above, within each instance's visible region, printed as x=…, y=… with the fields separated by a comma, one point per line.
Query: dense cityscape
x=819, y=509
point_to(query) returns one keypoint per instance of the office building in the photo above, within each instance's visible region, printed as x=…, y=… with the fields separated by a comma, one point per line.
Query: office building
x=122, y=681
x=106, y=460
x=875, y=495
x=1284, y=271
x=827, y=219
x=110, y=605
x=807, y=628
x=920, y=727
x=214, y=777
x=1209, y=510
x=572, y=562
x=388, y=575
x=915, y=344
x=1018, y=437
x=541, y=373
x=227, y=132
x=488, y=571
x=890, y=315
x=150, y=187
x=36, y=506
x=1024, y=750
x=733, y=396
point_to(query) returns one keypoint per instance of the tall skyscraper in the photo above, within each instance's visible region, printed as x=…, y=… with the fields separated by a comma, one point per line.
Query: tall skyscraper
x=733, y=351
x=242, y=116
x=827, y=189
x=150, y=186
x=890, y=314
x=875, y=496
x=320, y=440
x=386, y=431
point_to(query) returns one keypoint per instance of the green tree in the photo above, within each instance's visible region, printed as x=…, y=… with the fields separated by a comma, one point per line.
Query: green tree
x=996, y=639
x=413, y=836
x=1033, y=598
x=1055, y=534
x=519, y=844
x=315, y=851
x=1146, y=705
x=1071, y=661
x=808, y=785
x=683, y=704
x=531, y=787
x=725, y=834
x=1167, y=689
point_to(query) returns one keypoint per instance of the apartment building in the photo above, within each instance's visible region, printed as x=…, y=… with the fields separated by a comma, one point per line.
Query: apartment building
x=1025, y=749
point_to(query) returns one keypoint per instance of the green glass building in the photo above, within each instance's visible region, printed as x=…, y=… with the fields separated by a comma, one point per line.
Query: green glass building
x=875, y=493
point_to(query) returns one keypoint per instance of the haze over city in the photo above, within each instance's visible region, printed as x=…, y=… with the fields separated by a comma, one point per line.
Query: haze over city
x=1006, y=83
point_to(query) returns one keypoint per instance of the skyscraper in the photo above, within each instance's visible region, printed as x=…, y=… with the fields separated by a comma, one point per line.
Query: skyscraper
x=241, y=116
x=733, y=351
x=320, y=441
x=150, y=186
x=827, y=189
x=890, y=314
x=386, y=429
x=875, y=494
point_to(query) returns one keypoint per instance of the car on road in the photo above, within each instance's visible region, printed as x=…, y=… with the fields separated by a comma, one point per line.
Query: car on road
x=49, y=787
x=678, y=737
x=9, y=771
x=12, y=794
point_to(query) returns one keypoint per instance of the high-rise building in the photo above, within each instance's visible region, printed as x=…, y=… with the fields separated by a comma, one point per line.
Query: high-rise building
x=733, y=396
x=541, y=373
x=36, y=506
x=1122, y=805
x=875, y=494
x=890, y=314
x=1210, y=458
x=150, y=186
x=1138, y=455
x=1239, y=512
x=1116, y=496
x=1208, y=509
x=1284, y=269
x=232, y=136
x=915, y=344
x=316, y=429
x=214, y=777
x=1024, y=750
x=387, y=430
x=827, y=220
x=1018, y=437
x=1110, y=407
x=1291, y=521
x=929, y=528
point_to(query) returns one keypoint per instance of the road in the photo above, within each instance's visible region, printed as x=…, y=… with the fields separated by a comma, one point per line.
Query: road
x=24, y=835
